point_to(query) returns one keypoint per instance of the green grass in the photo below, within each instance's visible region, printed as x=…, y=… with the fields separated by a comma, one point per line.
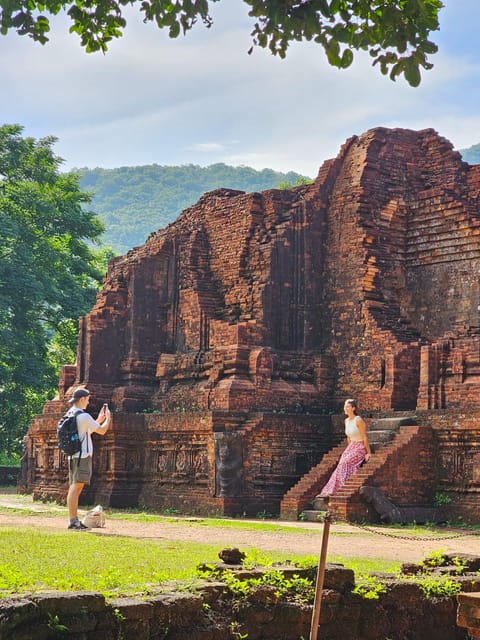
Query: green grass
x=368, y=565
x=35, y=559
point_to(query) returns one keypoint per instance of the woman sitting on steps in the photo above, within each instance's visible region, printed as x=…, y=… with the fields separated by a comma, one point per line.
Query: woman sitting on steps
x=357, y=451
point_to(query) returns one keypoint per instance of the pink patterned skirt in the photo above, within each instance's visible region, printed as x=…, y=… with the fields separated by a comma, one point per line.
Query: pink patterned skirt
x=349, y=463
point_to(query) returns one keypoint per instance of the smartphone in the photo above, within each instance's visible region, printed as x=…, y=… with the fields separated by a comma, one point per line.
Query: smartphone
x=105, y=406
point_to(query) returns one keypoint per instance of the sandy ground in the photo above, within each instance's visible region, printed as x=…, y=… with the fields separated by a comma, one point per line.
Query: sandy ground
x=292, y=537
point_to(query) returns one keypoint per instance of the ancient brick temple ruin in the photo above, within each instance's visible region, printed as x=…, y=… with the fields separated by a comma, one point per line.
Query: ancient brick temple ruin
x=227, y=343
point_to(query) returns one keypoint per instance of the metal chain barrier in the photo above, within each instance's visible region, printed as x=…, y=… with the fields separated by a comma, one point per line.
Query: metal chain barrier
x=327, y=520
x=401, y=537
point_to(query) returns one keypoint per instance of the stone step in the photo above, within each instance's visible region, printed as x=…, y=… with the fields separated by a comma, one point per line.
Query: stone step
x=320, y=504
x=391, y=424
x=313, y=515
x=375, y=447
x=380, y=437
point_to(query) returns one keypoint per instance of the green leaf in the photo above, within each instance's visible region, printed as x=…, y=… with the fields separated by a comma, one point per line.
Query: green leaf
x=324, y=8
x=174, y=30
x=412, y=73
x=347, y=58
x=333, y=52
x=429, y=47
x=335, y=6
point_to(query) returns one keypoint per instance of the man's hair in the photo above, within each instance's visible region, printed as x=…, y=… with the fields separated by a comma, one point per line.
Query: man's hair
x=79, y=393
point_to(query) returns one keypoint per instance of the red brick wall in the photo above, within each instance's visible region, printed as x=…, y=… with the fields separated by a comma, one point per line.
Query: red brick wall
x=457, y=460
x=378, y=256
x=363, y=284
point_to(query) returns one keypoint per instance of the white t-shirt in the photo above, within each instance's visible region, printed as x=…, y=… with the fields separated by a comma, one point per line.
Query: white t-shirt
x=86, y=425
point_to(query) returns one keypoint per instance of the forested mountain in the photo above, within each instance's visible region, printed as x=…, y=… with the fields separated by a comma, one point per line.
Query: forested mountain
x=134, y=201
x=472, y=154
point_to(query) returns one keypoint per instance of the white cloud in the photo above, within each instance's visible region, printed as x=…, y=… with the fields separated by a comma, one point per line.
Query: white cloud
x=207, y=147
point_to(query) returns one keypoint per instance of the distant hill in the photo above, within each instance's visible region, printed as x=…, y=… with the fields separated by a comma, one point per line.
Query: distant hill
x=472, y=154
x=134, y=201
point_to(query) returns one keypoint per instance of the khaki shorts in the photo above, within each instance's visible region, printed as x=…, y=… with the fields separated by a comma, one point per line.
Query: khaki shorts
x=80, y=471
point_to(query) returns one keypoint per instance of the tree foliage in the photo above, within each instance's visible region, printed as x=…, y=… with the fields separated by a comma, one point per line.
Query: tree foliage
x=48, y=273
x=134, y=201
x=395, y=32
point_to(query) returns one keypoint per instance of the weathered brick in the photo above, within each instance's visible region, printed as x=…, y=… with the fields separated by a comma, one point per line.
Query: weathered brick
x=251, y=311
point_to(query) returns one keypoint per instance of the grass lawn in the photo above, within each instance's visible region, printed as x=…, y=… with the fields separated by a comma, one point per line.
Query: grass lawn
x=36, y=559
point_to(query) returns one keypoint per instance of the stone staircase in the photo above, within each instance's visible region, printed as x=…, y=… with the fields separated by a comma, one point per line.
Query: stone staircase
x=347, y=503
x=382, y=431
x=386, y=436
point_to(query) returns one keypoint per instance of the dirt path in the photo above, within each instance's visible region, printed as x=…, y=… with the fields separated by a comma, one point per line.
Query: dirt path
x=291, y=537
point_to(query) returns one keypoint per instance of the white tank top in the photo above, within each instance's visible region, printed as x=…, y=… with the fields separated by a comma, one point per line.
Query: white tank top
x=351, y=429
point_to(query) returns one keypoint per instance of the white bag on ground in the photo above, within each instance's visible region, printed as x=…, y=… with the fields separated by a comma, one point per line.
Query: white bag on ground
x=95, y=517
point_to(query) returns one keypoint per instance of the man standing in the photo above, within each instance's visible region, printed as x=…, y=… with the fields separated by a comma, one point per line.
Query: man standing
x=80, y=464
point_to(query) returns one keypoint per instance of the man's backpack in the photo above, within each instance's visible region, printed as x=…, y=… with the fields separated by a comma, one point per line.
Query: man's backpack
x=67, y=433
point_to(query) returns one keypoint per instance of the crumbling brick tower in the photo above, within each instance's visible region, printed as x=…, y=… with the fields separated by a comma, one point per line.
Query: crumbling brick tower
x=222, y=343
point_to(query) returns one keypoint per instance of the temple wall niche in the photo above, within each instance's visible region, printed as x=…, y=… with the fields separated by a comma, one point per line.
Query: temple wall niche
x=284, y=298
x=228, y=465
x=122, y=334
x=227, y=217
x=150, y=289
x=199, y=299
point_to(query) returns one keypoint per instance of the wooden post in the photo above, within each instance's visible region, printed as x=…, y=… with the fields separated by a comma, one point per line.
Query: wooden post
x=317, y=604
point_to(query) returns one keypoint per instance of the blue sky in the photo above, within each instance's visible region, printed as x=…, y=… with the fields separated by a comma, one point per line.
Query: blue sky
x=201, y=99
